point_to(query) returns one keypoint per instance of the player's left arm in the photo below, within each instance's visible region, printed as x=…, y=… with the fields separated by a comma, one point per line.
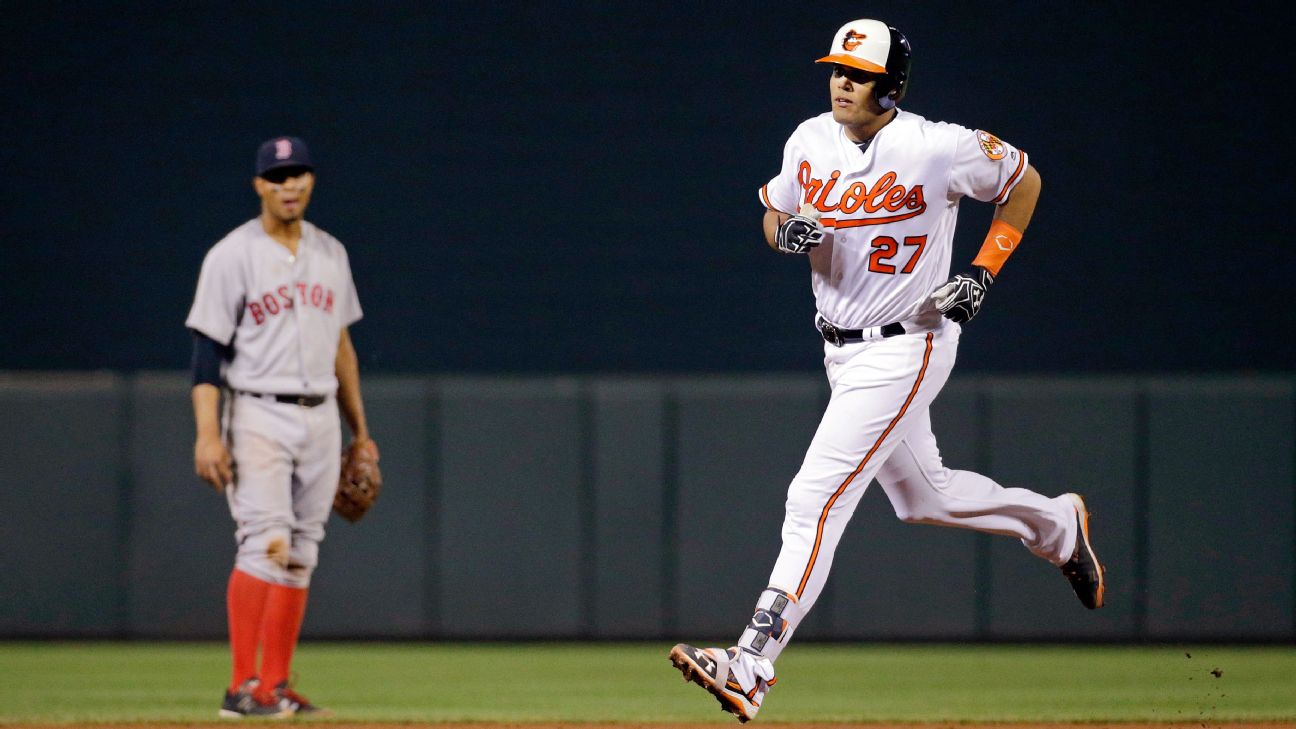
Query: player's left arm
x=351, y=405
x=960, y=299
x=1016, y=213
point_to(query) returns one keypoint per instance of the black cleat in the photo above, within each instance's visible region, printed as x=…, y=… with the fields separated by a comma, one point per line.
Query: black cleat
x=1083, y=570
x=300, y=705
x=245, y=703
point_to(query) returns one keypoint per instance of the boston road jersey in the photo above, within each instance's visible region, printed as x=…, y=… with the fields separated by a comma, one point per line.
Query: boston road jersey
x=888, y=211
x=283, y=314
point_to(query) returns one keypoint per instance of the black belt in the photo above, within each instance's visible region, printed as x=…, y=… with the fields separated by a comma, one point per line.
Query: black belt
x=838, y=336
x=306, y=401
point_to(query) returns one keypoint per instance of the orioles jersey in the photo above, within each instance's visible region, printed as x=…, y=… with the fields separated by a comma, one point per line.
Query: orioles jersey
x=889, y=210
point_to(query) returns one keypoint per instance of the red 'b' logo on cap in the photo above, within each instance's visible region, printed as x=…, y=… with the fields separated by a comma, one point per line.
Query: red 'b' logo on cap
x=283, y=149
x=852, y=40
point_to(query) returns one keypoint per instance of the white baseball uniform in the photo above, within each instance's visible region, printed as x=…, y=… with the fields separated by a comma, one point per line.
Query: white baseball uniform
x=282, y=315
x=889, y=213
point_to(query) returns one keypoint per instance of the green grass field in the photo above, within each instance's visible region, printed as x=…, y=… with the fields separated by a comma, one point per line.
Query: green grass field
x=424, y=682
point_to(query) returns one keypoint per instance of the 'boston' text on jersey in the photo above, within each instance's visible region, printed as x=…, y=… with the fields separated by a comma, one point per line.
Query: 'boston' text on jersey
x=281, y=299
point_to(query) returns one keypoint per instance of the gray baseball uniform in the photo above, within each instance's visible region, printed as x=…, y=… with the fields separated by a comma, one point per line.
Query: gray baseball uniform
x=282, y=315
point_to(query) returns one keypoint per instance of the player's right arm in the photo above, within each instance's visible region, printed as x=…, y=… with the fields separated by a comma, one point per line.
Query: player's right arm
x=773, y=219
x=788, y=232
x=211, y=457
x=798, y=233
x=212, y=320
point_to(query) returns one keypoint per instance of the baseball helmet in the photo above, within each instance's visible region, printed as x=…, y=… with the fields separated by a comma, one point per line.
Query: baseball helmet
x=874, y=46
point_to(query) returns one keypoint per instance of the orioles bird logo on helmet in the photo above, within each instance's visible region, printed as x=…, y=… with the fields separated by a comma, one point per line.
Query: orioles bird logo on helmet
x=852, y=40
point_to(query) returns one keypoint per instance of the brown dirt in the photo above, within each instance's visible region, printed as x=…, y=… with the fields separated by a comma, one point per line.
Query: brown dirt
x=578, y=725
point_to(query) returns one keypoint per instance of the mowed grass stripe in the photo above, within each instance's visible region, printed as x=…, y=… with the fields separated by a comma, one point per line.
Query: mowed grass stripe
x=417, y=682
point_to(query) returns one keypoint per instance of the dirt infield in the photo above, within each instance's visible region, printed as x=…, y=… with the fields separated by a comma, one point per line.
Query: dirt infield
x=1204, y=724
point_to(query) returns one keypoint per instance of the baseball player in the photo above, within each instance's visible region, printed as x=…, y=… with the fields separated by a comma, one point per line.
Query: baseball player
x=269, y=320
x=869, y=193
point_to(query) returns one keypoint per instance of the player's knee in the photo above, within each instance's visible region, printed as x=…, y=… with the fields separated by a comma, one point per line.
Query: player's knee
x=918, y=500
x=915, y=511
x=920, y=511
x=270, y=543
x=910, y=515
x=303, y=557
x=802, y=508
x=267, y=553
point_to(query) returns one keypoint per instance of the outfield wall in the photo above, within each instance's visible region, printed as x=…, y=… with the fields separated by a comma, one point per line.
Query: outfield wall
x=640, y=507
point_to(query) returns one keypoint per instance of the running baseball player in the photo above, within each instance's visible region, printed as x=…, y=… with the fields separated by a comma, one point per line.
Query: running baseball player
x=869, y=193
x=269, y=320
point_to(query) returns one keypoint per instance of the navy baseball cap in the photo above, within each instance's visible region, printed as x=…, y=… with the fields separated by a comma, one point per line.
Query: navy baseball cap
x=282, y=152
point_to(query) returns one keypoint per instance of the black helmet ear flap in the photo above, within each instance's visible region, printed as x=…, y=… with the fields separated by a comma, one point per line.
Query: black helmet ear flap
x=895, y=83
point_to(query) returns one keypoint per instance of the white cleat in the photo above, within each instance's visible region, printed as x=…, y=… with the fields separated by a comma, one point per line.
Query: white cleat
x=723, y=672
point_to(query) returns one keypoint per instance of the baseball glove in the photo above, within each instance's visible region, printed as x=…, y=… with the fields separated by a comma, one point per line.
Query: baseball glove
x=360, y=481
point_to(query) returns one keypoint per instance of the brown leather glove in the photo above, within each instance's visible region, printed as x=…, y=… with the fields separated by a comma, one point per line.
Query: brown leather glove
x=360, y=481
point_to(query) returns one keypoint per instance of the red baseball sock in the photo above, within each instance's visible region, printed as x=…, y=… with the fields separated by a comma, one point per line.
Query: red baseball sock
x=285, y=609
x=245, y=603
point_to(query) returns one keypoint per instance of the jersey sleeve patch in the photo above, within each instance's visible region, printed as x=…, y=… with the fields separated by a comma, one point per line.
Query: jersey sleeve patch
x=990, y=145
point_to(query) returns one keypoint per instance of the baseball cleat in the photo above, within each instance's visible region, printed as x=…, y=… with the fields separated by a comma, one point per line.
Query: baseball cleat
x=1083, y=570
x=300, y=705
x=246, y=703
x=713, y=670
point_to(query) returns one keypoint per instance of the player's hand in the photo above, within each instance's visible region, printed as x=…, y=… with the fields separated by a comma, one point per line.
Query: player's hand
x=798, y=234
x=212, y=462
x=961, y=297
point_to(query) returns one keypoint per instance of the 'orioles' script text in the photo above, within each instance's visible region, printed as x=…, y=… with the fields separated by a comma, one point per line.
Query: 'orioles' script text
x=883, y=194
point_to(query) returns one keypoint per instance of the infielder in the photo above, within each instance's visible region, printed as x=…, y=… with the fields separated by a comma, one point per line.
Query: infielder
x=869, y=193
x=269, y=323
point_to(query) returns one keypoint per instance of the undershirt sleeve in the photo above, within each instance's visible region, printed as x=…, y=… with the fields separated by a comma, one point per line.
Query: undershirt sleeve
x=207, y=357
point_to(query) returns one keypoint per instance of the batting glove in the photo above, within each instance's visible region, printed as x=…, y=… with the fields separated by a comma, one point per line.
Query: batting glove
x=798, y=234
x=961, y=297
